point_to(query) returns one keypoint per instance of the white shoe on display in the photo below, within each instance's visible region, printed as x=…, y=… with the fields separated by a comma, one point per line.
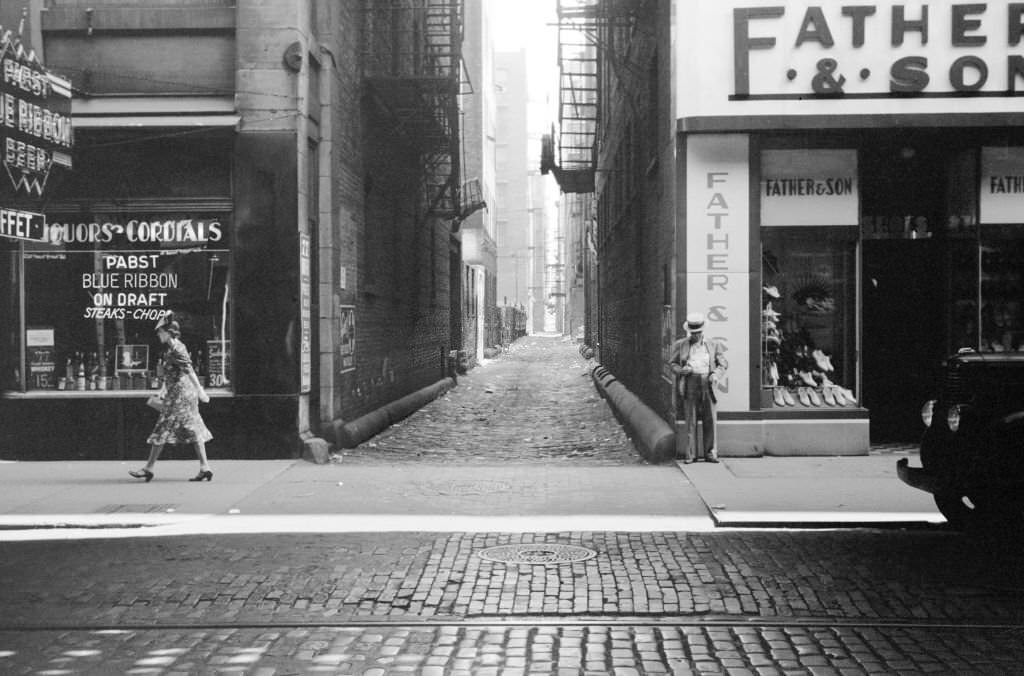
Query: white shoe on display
x=829, y=397
x=823, y=361
x=807, y=378
x=813, y=396
x=802, y=395
x=777, y=397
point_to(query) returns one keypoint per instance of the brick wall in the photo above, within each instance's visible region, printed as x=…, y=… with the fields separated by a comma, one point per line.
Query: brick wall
x=396, y=259
x=635, y=212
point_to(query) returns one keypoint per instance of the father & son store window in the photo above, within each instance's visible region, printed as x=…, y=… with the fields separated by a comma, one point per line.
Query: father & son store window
x=809, y=205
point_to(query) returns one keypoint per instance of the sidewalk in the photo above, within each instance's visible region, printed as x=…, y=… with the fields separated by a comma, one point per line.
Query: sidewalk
x=811, y=491
x=66, y=498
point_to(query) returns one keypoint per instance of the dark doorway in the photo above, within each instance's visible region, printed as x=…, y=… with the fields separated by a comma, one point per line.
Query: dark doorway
x=904, y=334
x=455, y=292
x=906, y=195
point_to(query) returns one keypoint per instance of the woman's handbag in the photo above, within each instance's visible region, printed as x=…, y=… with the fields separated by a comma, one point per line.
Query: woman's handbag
x=156, y=402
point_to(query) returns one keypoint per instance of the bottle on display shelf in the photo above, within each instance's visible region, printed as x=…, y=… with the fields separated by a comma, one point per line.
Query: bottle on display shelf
x=80, y=375
x=153, y=374
x=92, y=371
x=69, y=372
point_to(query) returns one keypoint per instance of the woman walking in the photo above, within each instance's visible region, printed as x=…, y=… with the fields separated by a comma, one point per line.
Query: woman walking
x=179, y=422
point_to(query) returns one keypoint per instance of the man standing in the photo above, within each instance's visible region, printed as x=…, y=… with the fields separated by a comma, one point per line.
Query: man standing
x=698, y=363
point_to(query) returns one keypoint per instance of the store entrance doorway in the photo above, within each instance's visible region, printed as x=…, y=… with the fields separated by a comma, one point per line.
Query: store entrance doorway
x=903, y=333
x=906, y=181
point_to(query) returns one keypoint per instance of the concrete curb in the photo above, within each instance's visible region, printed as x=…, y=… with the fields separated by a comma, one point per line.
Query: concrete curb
x=350, y=435
x=655, y=439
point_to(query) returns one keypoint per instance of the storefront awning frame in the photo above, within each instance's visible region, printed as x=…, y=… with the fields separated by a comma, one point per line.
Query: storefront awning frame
x=154, y=111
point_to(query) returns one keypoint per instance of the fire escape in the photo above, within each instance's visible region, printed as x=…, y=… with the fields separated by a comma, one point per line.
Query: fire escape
x=574, y=161
x=582, y=29
x=413, y=68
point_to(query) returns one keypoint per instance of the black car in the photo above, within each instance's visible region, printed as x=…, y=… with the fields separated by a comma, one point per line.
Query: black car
x=972, y=451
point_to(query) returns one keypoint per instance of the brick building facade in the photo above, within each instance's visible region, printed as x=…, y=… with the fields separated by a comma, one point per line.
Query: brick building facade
x=295, y=131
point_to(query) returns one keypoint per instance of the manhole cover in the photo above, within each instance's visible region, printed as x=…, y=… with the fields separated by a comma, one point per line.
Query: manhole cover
x=539, y=554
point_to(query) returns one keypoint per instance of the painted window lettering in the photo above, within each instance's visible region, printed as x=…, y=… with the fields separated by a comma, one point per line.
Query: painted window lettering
x=1007, y=185
x=806, y=187
x=185, y=231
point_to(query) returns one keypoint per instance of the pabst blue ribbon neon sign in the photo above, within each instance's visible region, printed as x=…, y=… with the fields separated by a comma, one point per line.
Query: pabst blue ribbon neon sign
x=35, y=117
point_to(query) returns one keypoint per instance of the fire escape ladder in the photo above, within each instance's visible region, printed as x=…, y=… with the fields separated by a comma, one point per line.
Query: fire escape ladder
x=581, y=24
x=576, y=152
x=414, y=72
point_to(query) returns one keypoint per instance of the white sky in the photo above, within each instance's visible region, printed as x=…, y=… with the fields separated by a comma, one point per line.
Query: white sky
x=517, y=23
x=530, y=25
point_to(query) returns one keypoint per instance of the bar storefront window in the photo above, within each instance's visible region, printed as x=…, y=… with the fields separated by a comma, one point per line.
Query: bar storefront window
x=93, y=289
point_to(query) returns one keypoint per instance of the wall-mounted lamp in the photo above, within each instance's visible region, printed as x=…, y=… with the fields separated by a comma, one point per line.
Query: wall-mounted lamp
x=293, y=57
x=88, y=21
x=907, y=153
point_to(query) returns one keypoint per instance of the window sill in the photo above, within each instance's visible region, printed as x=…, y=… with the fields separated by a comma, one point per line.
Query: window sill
x=214, y=392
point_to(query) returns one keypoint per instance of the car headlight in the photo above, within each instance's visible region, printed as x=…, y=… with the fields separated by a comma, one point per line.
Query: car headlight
x=926, y=412
x=953, y=418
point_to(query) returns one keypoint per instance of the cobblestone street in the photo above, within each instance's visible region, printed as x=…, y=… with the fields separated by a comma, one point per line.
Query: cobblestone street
x=622, y=650
x=535, y=403
x=741, y=602
x=775, y=575
x=760, y=602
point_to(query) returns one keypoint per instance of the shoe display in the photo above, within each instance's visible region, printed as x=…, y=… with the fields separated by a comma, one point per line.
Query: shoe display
x=788, y=398
x=772, y=291
x=829, y=397
x=823, y=361
x=777, y=397
x=814, y=397
x=801, y=394
x=848, y=395
x=770, y=314
x=773, y=374
x=807, y=378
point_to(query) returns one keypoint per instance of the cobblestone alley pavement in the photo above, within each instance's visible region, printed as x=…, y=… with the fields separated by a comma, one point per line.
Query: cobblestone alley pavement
x=536, y=403
x=738, y=602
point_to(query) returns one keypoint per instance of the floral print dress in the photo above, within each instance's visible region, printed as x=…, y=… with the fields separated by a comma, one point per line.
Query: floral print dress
x=180, y=422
